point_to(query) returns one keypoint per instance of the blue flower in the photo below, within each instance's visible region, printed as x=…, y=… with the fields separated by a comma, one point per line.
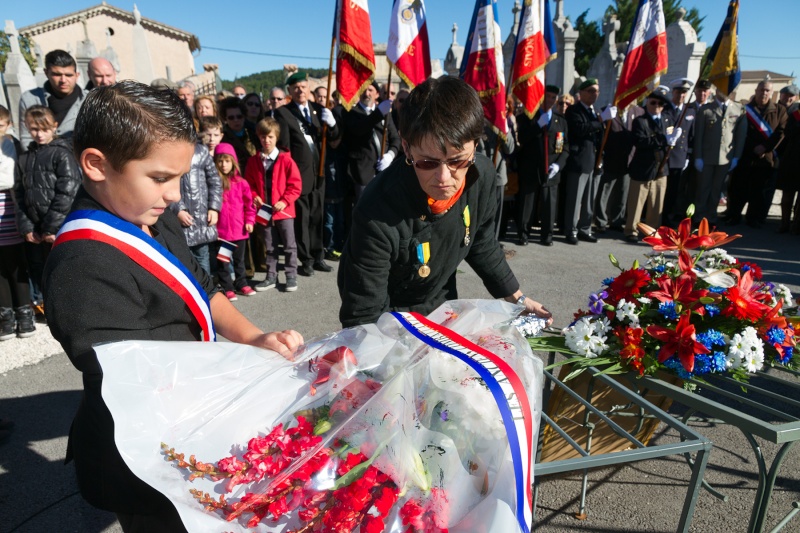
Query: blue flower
x=660, y=268
x=667, y=309
x=745, y=268
x=608, y=281
x=775, y=335
x=674, y=364
x=718, y=290
x=788, y=351
x=596, y=302
x=711, y=338
x=717, y=362
x=712, y=310
x=702, y=364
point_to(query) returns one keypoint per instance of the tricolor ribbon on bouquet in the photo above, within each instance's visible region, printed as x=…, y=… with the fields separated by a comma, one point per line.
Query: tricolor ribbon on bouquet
x=146, y=252
x=506, y=388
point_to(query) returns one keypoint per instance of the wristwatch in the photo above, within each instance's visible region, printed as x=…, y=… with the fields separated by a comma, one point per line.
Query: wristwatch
x=521, y=300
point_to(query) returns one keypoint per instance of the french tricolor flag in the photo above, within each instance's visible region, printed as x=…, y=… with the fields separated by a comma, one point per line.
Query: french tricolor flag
x=408, y=48
x=535, y=48
x=264, y=214
x=226, y=249
x=646, y=59
x=482, y=66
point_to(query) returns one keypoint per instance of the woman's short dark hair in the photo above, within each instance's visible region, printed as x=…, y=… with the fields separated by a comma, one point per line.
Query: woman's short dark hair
x=445, y=109
x=125, y=121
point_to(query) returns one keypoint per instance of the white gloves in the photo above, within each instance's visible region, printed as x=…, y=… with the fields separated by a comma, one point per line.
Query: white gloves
x=384, y=107
x=672, y=138
x=734, y=162
x=609, y=113
x=327, y=117
x=698, y=164
x=544, y=120
x=686, y=164
x=385, y=161
x=553, y=170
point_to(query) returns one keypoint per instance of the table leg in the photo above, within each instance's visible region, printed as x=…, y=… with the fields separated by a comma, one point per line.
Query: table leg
x=698, y=469
x=765, y=484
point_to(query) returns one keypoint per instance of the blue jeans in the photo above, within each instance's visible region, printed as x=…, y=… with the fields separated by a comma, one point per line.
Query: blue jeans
x=333, y=229
x=200, y=253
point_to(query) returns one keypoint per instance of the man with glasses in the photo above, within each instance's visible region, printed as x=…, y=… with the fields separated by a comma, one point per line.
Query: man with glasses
x=277, y=98
x=652, y=133
x=426, y=213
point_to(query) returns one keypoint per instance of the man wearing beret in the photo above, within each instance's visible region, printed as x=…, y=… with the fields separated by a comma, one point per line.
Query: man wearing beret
x=652, y=133
x=677, y=199
x=788, y=96
x=301, y=124
x=543, y=152
x=586, y=128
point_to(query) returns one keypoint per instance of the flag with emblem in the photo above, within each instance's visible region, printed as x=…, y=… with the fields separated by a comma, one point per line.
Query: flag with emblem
x=355, y=57
x=534, y=49
x=646, y=58
x=724, y=55
x=408, y=48
x=482, y=66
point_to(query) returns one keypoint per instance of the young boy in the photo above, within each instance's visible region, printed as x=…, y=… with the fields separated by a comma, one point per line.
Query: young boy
x=120, y=269
x=45, y=184
x=275, y=181
x=211, y=132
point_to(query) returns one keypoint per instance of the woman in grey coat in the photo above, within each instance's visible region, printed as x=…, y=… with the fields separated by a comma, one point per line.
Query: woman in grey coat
x=198, y=209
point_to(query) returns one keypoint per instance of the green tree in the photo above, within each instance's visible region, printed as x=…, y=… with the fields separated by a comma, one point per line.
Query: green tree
x=262, y=82
x=25, y=45
x=590, y=39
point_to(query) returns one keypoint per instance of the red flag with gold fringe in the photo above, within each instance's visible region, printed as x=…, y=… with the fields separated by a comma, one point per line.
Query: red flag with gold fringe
x=355, y=57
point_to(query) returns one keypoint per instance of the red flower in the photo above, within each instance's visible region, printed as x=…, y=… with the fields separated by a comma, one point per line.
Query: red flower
x=631, y=351
x=718, y=237
x=342, y=356
x=679, y=290
x=667, y=238
x=627, y=284
x=681, y=340
x=745, y=299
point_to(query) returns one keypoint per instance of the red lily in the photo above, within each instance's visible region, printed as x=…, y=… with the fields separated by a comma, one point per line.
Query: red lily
x=679, y=290
x=681, y=340
x=666, y=238
x=746, y=300
x=718, y=237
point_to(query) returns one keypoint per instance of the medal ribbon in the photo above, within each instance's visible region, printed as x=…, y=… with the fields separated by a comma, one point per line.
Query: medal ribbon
x=424, y=252
x=508, y=392
x=145, y=251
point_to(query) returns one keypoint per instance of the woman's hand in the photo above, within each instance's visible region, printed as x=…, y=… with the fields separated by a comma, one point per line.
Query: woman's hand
x=535, y=308
x=284, y=342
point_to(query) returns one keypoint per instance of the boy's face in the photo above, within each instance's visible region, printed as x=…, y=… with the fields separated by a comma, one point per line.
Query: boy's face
x=268, y=141
x=41, y=135
x=213, y=136
x=4, y=124
x=145, y=187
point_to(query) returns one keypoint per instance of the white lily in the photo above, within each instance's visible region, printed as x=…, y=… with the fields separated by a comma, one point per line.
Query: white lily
x=718, y=277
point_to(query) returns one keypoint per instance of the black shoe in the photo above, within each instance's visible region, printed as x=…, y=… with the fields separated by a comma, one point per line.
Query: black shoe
x=26, y=325
x=306, y=269
x=523, y=241
x=633, y=239
x=572, y=239
x=291, y=284
x=267, y=284
x=322, y=266
x=7, y=322
x=546, y=240
x=587, y=237
x=601, y=229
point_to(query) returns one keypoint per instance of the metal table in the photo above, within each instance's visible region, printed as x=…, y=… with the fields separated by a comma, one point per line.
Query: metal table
x=691, y=441
x=760, y=391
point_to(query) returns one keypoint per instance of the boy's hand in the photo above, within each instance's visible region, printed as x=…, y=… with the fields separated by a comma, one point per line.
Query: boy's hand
x=185, y=219
x=279, y=206
x=32, y=238
x=284, y=342
x=49, y=238
x=258, y=201
x=213, y=216
x=248, y=228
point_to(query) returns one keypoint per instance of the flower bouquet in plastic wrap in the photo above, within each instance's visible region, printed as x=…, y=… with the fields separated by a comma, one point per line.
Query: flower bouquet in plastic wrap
x=413, y=424
x=692, y=310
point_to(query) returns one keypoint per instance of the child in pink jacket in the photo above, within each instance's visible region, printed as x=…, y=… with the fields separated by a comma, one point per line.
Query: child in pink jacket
x=275, y=182
x=236, y=221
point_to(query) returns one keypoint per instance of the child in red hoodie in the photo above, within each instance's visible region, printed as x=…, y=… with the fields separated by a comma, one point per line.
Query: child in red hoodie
x=236, y=219
x=275, y=182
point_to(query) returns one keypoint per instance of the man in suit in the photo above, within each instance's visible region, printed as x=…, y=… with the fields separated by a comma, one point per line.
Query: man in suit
x=543, y=151
x=652, y=133
x=676, y=199
x=752, y=182
x=719, y=133
x=585, y=137
x=302, y=131
x=362, y=133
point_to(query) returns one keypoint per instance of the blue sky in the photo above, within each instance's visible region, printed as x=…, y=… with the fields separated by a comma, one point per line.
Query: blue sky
x=266, y=27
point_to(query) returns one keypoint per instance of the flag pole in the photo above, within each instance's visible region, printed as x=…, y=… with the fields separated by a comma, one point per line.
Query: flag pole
x=325, y=104
x=386, y=118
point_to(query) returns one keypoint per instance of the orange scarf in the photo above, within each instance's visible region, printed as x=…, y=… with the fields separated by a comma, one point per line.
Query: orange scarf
x=440, y=206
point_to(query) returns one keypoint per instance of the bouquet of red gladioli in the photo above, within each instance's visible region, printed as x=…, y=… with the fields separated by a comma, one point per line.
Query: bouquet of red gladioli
x=691, y=309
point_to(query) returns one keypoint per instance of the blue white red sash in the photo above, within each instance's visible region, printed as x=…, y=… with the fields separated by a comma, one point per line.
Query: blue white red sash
x=508, y=391
x=755, y=119
x=145, y=251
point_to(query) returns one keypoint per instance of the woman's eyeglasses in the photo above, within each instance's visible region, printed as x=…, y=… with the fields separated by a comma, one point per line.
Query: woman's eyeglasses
x=433, y=164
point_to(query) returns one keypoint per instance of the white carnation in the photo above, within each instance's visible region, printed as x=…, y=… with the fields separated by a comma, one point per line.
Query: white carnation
x=586, y=337
x=644, y=300
x=783, y=292
x=627, y=311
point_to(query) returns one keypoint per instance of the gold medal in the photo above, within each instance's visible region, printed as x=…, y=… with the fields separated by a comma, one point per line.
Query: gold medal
x=424, y=255
x=424, y=271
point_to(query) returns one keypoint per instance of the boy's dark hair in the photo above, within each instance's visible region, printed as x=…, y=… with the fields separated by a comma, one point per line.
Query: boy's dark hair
x=445, y=109
x=230, y=103
x=267, y=125
x=4, y=113
x=40, y=116
x=59, y=58
x=207, y=123
x=125, y=121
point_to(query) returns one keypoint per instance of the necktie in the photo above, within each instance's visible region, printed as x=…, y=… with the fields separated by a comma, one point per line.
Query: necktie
x=308, y=116
x=658, y=121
